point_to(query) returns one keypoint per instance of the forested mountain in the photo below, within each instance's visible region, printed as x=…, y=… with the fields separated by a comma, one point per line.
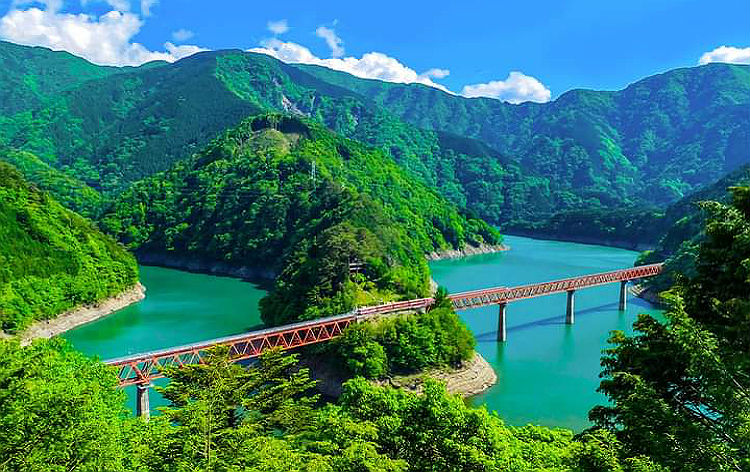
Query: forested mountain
x=681, y=230
x=654, y=141
x=51, y=259
x=288, y=195
x=649, y=144
x=66, y=189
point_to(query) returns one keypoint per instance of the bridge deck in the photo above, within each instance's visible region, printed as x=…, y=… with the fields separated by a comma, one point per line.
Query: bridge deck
x=144, y=367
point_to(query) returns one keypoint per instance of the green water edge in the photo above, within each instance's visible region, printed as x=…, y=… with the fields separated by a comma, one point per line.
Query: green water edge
x=548, y=371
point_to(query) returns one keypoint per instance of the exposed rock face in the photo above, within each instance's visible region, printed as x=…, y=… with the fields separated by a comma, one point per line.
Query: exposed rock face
x=647, y=294
x=465, y=251
x=473, y=377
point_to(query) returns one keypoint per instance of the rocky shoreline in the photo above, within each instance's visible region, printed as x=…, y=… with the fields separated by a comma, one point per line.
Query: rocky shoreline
x=466, y=251
x=190, y=264
x=647, y=294
x=82, y=315
x=471, y=378
x=622, y=244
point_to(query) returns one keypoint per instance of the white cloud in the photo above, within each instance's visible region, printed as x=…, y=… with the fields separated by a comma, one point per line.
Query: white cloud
x=182, y=34
x=106, y=39
x=516, y=88
x=278, y=27
x=437, y=73
x=332, y=40
x=373, y=65
x=119, y=5
x=726, y=54
x=51, y=5
x=146, y=6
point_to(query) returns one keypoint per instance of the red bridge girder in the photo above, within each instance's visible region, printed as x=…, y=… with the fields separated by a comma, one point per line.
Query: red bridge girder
x=495, y=296
x=145, y=367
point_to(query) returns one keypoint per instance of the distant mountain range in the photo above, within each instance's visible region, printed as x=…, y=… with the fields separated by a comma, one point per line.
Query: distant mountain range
x=645, y=146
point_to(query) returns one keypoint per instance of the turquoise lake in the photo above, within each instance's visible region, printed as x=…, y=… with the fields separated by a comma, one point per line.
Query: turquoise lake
x=548, y=371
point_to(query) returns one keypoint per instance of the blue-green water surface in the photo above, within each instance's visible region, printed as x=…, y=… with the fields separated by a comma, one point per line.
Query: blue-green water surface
x=548, y=371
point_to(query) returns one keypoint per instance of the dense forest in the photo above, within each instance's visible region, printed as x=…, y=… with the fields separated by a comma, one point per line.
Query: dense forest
x=680, y=230
x=51, y=259
x=647, y=145
x=654, y=141
x=72, y=193
x=288, y=195
x=677, y=390
x=336, y=187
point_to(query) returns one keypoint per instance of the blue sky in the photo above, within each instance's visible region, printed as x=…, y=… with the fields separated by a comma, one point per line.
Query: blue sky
x=552, y=46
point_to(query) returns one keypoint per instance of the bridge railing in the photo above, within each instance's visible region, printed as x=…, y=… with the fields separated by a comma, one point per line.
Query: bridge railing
x=145, y=367
x=492, y=296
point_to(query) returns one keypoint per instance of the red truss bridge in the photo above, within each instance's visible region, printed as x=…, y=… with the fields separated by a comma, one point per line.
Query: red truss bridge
x=141, y=369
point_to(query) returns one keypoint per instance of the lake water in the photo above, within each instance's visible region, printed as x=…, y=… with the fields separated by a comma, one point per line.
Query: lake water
x=548, y=371
x=179, y=308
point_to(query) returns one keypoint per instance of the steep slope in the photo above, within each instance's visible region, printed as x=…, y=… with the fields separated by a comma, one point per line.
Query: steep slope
x=31, y=75
x=51, y=259
x=681, y=229
x=69, y=191
x=656, y=140
x=339, y=222
x=660, y=138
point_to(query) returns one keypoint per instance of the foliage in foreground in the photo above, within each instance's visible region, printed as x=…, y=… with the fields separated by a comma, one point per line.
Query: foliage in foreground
x=226, y=417
x=51, y=259
x=59, y=410
x=679, y=389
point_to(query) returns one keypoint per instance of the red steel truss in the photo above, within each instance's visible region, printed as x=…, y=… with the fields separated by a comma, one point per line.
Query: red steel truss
x=143, y=368
x=495, y=296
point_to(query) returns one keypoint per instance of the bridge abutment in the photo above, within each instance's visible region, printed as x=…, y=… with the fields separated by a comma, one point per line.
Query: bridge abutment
x=142, y=405
x=502, y=334
x=623, y=295
x=570, y=313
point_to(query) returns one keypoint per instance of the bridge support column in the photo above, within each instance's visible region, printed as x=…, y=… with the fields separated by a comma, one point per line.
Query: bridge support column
x=623, y=295
x=502, y=335
x=570, y=313
x=142, y=406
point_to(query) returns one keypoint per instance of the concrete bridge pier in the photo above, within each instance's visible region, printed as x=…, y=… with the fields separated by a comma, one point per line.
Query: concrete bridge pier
x=142, y=406
x=570, y=313
x=623, y=295
x=502, y=335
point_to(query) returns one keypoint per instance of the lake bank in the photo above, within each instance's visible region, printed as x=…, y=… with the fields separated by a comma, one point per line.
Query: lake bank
x=82, y=315
x=580, y=239
x=465, y=251
x=470, y=378
x=548, y=370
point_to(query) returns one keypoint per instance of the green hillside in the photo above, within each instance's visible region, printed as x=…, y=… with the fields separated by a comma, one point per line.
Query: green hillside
x=69, y=191
x=682, y=229
x=252, y=199
x=51, y=259
x=655, y=141
x=647, y=145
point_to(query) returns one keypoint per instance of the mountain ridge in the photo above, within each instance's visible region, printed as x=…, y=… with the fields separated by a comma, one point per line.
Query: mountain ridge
x=504, y=163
